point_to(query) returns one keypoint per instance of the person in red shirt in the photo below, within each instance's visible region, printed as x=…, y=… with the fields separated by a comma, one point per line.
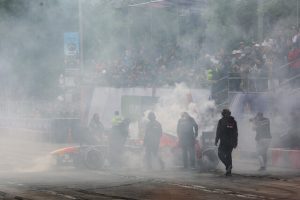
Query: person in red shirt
x=294, y=64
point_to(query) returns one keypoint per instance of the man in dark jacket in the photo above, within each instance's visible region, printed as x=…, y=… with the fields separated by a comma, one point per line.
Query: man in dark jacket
x=96, y=130
x=227, y=133
x=117, y=139
x=152, y=137
x=263, y=138
x=187, y=131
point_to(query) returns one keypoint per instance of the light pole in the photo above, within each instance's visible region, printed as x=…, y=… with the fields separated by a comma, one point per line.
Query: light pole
x=297, y=14
x=260, y=20
x=80, y=33
x=80, y=76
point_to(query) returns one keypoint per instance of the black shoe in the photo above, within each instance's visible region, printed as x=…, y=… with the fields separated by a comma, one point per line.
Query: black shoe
x=228, y=173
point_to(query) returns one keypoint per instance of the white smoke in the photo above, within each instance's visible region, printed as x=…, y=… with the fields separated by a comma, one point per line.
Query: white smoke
x=183, y=99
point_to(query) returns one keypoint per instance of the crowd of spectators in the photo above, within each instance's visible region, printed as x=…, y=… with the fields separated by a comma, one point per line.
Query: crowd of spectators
x=257, y=67
x=135, y=69
x=251, y=66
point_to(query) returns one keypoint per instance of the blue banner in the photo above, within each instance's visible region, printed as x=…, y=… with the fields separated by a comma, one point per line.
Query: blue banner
x=71, y=49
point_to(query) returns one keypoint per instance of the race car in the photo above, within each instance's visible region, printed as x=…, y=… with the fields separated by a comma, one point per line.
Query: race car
x=96, y=156
x=89, y=156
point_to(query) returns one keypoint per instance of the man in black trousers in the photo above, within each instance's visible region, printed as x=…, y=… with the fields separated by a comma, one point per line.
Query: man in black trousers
x=153, y=133
x=187, y=131
x=227, y=133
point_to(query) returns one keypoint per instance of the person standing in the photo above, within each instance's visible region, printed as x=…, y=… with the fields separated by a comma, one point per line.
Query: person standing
x=96, y=130
x=153, y=133
x=117, y=139
x=263, y=138
x=117, y=119
x=187, y=131
x=227, y=133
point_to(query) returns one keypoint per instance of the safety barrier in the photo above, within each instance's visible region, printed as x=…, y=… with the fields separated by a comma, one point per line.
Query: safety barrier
x=26, y=123
x=57, y=130
x=285, y=158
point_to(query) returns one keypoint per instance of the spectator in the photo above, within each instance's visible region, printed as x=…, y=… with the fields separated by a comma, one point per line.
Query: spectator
x=96, y=130
x=294, y=63
x=153, y=134
x=187, y=131
x=261, y=125
x=235, y=81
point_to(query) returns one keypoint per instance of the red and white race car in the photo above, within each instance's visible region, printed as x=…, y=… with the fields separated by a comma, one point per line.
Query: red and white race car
x=94, y=156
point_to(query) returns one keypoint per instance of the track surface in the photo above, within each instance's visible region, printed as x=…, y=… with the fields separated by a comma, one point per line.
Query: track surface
x=26, y=173
x=133, y=185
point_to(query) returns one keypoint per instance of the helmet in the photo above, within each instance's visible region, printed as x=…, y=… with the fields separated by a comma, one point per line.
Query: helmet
x=259, y=114
x=226, y=112
x=151, y=116
x=185, y=115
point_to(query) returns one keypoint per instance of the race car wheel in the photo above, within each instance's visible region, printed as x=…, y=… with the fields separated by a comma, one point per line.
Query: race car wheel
x=94, y=159
x=78, y=161
x=209, y=160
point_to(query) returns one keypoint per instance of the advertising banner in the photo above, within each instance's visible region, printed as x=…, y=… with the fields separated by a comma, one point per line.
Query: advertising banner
x=71, y=49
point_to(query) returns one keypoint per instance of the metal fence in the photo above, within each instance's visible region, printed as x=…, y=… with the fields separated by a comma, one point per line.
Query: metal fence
x=234, y=83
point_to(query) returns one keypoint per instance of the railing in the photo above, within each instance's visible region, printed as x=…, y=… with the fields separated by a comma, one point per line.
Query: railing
x=288, y=79
x=248, y=84
x=233, y=83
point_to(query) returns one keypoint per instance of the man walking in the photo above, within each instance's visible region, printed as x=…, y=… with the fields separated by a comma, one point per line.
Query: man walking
x=227, y=133
x=153, y=134
x=263, y=138
x=187, y=131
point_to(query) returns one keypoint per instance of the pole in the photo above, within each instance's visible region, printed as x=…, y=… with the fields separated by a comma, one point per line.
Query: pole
x=297, y=14
x=260, y=20
x=128, y=29
x=80, y=33
x=178, y=24
x=81, y=107
x=151, y=25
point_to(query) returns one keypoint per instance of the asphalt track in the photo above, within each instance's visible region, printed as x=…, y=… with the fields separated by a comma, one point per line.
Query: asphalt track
x=138, y=184
x=27, y=172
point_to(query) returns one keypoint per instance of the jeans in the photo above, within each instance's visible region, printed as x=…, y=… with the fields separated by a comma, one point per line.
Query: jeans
x=188, y=154
x=262, y=146
x=150, y=153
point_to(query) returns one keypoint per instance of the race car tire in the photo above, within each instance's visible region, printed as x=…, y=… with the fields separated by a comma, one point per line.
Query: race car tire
x=209, y=160
x=94, y=159
x=78, y=161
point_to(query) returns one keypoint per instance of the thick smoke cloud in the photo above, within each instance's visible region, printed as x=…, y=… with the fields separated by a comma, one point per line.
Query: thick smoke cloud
x=182, y=99
x=31, y=50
